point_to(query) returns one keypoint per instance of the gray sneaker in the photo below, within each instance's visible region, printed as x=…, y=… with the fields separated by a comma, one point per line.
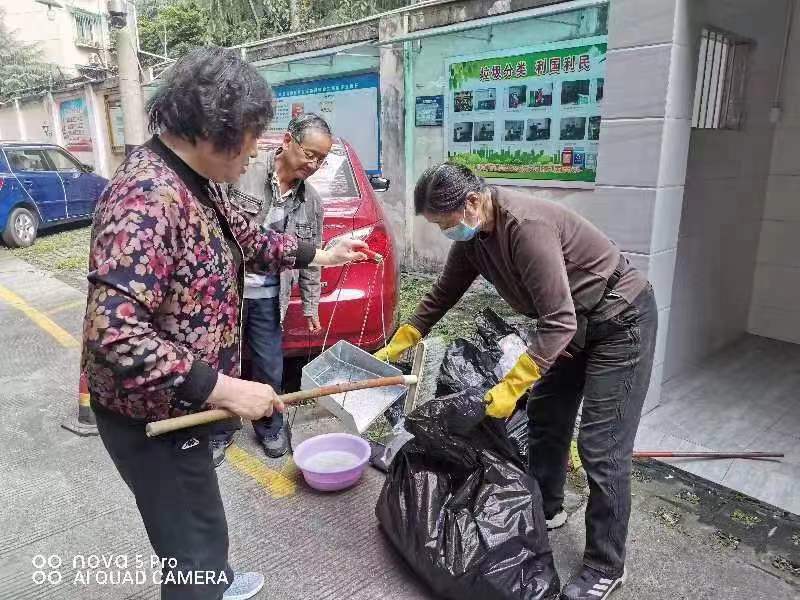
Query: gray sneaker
x=218, y=446
x=244, y=586
x=590, y=584
x=276, y=444
x=557, y=520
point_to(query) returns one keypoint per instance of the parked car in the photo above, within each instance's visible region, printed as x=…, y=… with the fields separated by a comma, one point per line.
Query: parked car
x=351, y=210
x=42, y=185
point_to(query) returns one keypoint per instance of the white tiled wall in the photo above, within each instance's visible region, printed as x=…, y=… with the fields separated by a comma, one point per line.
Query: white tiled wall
x=726, y=183
x=648, y=22
x=775, y=306
x=645, y=143
x=651, y=62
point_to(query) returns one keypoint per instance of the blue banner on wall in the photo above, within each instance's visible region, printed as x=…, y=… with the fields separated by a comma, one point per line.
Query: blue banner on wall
x=430, y=111
x=349, y=104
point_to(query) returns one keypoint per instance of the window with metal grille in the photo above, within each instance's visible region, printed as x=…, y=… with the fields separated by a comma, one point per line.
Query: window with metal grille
x=719, y=98
x=88, y=29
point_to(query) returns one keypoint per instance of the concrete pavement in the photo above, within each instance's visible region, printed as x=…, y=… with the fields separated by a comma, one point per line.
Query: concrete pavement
x=62, y=500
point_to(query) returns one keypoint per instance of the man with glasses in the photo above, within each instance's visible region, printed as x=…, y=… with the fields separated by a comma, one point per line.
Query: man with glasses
x=274, y=194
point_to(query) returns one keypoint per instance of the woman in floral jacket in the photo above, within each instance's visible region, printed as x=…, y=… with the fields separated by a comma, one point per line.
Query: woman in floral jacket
x=162, y=326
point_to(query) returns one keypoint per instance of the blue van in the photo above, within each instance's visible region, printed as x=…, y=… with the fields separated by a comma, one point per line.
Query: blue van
x=42, y=185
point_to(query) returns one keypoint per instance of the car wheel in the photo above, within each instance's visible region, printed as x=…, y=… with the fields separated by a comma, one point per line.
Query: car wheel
x=21, y=228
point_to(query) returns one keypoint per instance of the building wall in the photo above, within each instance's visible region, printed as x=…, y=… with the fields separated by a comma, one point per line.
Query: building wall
x=35, y=112
x=644, y=143
x=644, y=137
x=9, y=125
x=723, y=205
x=37, y=119
x=429, y=55
x=55, y=37
x=775, y=304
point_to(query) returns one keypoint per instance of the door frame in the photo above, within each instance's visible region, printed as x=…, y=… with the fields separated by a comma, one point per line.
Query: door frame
x=61, y=177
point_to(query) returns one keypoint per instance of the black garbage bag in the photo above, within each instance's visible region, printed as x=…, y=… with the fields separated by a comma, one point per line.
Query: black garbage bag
x=460, y=509
x=481, y=364
x=517, y=430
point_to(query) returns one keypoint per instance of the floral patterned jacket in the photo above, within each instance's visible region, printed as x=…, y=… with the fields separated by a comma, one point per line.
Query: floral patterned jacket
x=164, y=300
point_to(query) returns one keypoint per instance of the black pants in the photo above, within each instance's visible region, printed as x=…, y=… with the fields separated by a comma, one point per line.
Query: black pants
x=263, y=339
x=176, y=490
x=612, y=375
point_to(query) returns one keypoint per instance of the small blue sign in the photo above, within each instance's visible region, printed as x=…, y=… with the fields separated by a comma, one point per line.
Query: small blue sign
x=430, y=111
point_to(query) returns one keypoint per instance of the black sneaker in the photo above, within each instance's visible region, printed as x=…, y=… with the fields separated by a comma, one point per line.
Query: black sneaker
x=276, y=444
x=591, y=584
x=218, y=446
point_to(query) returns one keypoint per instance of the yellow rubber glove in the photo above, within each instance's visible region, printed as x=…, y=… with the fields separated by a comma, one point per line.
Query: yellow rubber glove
x=407, y=336
x=502, y=398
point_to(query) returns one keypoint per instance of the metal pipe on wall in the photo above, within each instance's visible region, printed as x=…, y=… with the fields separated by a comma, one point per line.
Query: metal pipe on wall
x=790, y=9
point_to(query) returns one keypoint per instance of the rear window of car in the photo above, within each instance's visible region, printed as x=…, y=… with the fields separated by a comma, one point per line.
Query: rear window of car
x=26, y=159
x=335, y=178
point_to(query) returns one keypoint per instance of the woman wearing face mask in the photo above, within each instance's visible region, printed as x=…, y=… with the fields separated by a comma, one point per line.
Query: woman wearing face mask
x=593, y=339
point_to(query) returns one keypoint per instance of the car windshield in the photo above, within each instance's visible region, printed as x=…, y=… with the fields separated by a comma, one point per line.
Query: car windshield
x=335, y=179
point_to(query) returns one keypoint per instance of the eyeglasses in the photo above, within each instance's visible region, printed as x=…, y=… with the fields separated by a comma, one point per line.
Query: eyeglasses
x=310, y=155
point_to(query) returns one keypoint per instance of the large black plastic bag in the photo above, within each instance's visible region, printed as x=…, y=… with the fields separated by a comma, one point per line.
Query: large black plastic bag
x=460, y=509
x=481, y=365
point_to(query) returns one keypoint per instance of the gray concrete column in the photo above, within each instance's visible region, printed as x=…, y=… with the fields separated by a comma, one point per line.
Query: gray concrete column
x=644, y=143
x=392, y=151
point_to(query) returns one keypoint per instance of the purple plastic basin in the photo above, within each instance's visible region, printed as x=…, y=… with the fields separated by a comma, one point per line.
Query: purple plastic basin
x=332, y=461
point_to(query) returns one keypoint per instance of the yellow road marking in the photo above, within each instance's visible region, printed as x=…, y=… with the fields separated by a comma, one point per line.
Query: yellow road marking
x=62, y=336
x=575, y=458
x=67, y=306
x=279, y=484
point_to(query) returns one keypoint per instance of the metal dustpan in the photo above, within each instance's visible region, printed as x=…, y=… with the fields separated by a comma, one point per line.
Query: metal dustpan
x=343, y=363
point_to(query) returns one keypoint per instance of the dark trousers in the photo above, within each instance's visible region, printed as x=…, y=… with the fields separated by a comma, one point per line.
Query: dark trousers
x=263, y=339
x=263, y=343
x=175, y=486
x=612, y=375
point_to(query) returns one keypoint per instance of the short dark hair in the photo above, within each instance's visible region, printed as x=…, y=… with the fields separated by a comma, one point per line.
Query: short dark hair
x=444, y=188
x=302, y=124
x=213, y=94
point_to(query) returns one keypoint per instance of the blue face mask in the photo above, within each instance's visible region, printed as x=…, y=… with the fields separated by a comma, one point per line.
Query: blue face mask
x=462, y=232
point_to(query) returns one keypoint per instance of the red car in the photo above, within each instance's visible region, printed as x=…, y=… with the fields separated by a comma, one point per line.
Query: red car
x=351, y=295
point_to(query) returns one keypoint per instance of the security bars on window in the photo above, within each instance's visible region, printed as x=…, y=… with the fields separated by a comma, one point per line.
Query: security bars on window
x=87, y=29
x=721, y=81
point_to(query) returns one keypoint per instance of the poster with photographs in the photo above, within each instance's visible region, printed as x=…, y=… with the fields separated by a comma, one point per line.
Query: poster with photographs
x=529, y=117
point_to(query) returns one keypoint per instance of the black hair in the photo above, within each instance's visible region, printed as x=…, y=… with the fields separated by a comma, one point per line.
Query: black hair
x=444, y=188
x=212, y=93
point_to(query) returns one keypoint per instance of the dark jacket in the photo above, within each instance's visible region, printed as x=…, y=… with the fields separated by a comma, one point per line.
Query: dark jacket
x=304, y=215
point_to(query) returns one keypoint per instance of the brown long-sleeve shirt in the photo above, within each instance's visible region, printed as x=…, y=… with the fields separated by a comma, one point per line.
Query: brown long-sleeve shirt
x=547, y=262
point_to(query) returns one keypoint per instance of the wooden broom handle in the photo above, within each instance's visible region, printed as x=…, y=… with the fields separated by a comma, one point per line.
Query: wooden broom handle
x=210, y=416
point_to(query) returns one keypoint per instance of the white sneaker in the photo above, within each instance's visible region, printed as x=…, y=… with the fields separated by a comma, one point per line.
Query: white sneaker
x=244, y=586
x=558, y=520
